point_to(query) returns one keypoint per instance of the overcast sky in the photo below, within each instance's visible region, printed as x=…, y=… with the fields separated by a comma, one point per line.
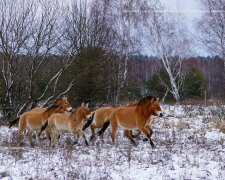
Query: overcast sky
x=191, y=10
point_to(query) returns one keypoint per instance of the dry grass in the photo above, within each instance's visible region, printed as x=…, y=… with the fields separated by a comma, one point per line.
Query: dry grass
x=184, y=150
x=220, y=126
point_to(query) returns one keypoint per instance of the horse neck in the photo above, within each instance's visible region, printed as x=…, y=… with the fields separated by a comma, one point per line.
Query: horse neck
x=50, y=111
x=144, y=109
x=77, y=116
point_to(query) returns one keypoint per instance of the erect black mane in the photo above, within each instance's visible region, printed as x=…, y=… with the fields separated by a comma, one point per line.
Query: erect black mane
x=146, y=99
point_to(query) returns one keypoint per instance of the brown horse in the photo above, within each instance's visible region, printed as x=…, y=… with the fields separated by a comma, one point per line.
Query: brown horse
x=134, y=117
x=103, y=114
x=37, y=109
x=33, y=120
x=69, y=123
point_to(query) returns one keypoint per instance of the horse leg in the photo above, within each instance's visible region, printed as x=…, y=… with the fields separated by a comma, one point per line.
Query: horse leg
x=29, y=136
x=150, y=131
x=135, y=135
x=76, y=137
x=114, y=127
x=54, y=138
x=83, y=135
x=22, y=127
x=128, y=135
x=37, y=137
x=93, y=132
x=102, y=137
x=48, y=134
x=142, y=129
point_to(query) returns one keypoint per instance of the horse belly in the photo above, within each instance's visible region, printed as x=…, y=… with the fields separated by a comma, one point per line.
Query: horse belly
x=127, y=124
x=62, y=127
x=34, y=127
x=34, y=124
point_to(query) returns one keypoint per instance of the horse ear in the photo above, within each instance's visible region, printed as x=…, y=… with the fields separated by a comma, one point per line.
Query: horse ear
x=58, y=102
x=82, y=104
x=65, y=98
x=87, y=104
x=157, y=99
x=152, y=100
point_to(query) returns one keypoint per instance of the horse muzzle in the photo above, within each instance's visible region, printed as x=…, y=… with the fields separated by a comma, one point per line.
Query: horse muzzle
x=159, y=113
x=69, y=110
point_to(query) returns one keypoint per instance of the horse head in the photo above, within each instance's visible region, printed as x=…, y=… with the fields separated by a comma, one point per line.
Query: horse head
x=84, y=111
x=64, y=104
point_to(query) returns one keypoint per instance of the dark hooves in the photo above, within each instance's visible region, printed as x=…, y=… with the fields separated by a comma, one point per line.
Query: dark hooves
x=152, y=144
x=133, y=142
x=86, y=143
x=92, y=138
x=32, y=145
x=145, y=139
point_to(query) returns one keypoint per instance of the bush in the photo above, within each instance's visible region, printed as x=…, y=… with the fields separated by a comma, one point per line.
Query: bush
x=194, y=83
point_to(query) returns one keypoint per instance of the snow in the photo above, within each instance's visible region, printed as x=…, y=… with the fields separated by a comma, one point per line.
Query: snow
x=187, y=147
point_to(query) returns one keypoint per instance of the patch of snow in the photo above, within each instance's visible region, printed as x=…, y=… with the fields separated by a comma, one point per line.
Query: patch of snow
x=186, y=149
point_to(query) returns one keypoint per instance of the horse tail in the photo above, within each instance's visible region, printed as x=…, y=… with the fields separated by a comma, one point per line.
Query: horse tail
x=43, y=127
x=89, y=121
x=14, y=121
x=105, y=126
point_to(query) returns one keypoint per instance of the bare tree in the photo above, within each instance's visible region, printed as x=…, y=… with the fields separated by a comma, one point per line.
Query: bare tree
x=125, y=18
x=29, y=36
x=167, y=39
x=212, y=28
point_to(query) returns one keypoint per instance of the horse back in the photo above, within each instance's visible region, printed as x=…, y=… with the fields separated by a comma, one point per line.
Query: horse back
x=59, y=121
x=102, y=115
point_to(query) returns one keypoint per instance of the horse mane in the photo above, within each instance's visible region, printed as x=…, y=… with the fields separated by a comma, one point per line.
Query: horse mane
x=145, y=99
x=52, y=107
x=74, y=111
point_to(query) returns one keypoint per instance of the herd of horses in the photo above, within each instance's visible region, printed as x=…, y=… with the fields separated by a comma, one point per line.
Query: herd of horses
x=61, y=118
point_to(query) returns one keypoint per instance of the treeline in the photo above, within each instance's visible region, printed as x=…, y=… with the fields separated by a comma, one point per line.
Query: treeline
x=202, y=76
x=86, y=49
x=51, y=48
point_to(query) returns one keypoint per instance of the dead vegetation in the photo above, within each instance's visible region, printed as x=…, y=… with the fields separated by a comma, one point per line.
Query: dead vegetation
x=186, y=148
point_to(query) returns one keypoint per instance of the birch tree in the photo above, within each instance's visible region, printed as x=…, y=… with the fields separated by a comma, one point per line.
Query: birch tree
x=167, y=39
x=212, y=29
x=125, y=17
x=29, y=36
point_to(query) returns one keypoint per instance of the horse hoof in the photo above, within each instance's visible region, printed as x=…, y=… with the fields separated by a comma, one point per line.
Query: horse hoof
x=32, y=145
x=86, y=143
x=92, y=138
x=145, y=139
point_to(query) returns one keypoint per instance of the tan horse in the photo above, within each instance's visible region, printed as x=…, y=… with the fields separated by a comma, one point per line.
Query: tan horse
x=103, y=114
x=38, y=109
x=134, y=117
x=69, y=123
x=33, y=120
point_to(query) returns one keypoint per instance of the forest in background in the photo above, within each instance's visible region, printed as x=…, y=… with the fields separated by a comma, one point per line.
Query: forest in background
x=92, y=52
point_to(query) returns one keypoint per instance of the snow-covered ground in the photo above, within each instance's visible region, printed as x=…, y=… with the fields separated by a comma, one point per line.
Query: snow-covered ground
x=188, y=146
